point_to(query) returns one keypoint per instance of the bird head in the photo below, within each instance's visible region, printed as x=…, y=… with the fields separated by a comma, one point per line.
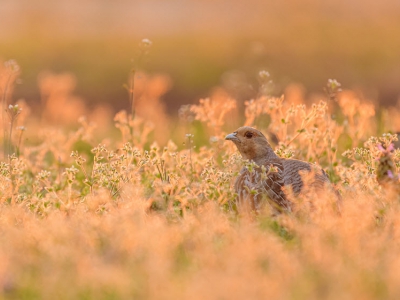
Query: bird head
x=251, y=143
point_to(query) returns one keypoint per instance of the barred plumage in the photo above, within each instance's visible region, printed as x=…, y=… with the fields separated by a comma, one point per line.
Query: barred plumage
x=271, y=173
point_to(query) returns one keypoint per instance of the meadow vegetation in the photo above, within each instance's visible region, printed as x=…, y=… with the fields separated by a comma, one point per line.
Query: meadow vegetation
x=142, y=206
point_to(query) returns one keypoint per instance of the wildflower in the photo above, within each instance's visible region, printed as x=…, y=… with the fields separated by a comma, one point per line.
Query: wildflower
x=12, y=65
x=388, y=150
x=264, y=75
x=332, y=89
x=185, y=114
x=146, y=43
x=333, y=84
x=14, y=110
x=386, y=166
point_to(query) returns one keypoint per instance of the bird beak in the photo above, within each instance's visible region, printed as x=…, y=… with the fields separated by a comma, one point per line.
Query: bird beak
x=232, y=137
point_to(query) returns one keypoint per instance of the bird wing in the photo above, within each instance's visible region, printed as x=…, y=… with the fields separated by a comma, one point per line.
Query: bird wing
x=251, y=186
x=272, y=184
x=293, y=177
x=244, y=185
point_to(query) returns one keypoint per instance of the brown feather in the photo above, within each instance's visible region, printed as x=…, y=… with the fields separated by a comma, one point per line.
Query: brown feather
x=252, y=186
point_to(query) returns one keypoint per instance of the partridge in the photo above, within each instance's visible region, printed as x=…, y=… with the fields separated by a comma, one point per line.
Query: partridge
x=270, y=172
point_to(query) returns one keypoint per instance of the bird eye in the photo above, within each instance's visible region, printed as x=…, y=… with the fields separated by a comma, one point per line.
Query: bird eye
x=248, y=134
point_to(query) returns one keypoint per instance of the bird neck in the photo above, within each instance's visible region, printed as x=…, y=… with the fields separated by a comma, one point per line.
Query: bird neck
x=266, y=155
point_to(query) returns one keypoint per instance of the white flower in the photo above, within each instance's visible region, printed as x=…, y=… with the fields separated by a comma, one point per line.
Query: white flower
x=263, y=74
x=146, y=43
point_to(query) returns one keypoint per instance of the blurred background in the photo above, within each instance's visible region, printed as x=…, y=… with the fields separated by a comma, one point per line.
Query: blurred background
x=203, y=44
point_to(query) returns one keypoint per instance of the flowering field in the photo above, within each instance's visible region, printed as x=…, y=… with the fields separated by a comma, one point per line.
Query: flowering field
x=140, y=206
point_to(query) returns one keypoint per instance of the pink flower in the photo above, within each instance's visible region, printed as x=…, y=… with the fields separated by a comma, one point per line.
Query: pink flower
x=389, y=149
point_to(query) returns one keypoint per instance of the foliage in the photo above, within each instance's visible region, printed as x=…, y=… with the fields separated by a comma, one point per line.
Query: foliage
x=88, y=216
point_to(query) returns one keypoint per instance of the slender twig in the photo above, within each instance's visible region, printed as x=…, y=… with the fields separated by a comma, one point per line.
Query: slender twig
x=5, y=141
x=190, y=141
x=10, y=135
x=303, y=127
x=22, y=128
x=13, y=112
x=144, y=48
